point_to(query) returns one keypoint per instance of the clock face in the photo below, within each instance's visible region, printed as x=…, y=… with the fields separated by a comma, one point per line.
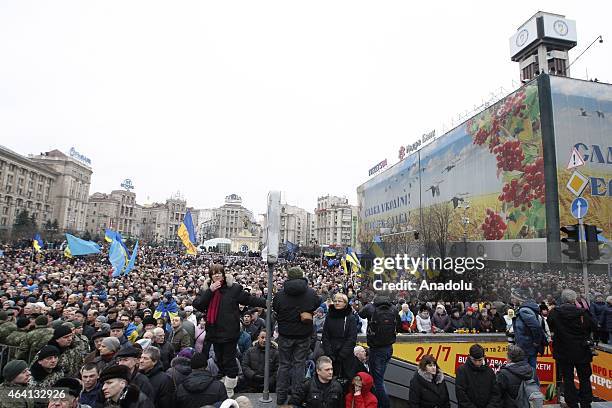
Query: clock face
x=560, y=28
x=522, y=37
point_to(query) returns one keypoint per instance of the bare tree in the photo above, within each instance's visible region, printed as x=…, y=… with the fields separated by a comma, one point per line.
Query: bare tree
x=442, y=214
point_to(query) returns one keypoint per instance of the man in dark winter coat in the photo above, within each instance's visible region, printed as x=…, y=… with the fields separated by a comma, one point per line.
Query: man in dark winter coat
x=294, y=306
x=253, y=364
x=511, y=375
x=529, y=332
x=456, y=321
x=179, y=337
x=161, y=382
x=200, y=387
x=320, y=391
x=379, y=343
x=119, y=392
x=572, y=328
x=498, y=322
x=130, y=357
x=475, y=384
x=470, y=321
x=164, y=346
x=180, y=368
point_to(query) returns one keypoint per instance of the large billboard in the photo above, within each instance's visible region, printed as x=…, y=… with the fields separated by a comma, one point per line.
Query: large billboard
x=582, y=120
x=489, y=170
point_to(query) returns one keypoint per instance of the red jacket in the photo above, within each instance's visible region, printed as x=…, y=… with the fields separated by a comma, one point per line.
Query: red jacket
x=366, y=399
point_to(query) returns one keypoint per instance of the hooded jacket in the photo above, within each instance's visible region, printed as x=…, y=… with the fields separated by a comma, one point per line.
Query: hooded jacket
x=253, y=363
x=227, y=327
x=295, y=298
x=476, y=387
x=180, y=368
x=572, y=327
x=162, y=385
x=427, y=391
x=366, y=399
x=199, y=389
x=528, y=332
x=441, y=320
x=509, y=379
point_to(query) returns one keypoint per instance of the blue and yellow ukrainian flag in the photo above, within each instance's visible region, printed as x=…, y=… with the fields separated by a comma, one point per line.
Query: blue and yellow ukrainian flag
x=37, y=243
x=187, y=234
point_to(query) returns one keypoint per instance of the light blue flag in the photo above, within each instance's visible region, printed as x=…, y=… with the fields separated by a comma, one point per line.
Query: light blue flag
x=116, y=256
x=130, y=264
x=79, y=246
x=189, y=225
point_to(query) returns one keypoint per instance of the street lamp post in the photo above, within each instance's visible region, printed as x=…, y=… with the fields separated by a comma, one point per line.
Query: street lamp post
x=465, y=220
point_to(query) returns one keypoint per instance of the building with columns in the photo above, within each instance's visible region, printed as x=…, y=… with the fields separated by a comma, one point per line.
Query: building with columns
x=117, y=210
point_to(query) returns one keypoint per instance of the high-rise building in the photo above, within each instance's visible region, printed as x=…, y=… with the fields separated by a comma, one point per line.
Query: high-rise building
x=334, y=219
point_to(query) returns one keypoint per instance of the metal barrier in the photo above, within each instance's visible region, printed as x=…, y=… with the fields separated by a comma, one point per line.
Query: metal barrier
x=8, y=353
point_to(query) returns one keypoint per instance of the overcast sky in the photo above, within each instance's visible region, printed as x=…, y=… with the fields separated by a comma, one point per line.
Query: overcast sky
x=214, y=98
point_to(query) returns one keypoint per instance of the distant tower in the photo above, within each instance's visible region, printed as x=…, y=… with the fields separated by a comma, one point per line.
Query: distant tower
x=544, y=37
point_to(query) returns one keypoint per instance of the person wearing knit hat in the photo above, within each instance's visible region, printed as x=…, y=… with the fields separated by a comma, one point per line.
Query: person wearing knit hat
x=111, y=344
x=294, y=305
x=200, y=388
x=45, y=368
x=16, y=372
x=476, y=371
x=107, y=348
x=512, y=374
x=471, y=322
x=41, y=321
x=219, y=298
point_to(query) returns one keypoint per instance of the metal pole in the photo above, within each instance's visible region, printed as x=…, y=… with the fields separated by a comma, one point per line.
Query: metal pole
x=266, y=391
x=583, y=259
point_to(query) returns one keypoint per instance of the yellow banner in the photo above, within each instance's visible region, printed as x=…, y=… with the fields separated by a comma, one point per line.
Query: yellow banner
x=601, y=380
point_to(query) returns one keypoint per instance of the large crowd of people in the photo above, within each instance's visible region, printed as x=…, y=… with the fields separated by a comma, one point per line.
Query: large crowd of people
x=192, y=330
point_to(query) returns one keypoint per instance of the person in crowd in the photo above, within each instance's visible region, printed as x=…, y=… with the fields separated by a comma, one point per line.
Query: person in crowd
x=440, y=320
x=35, y=339
x=598, y=307
x=294, y=306
x=17, y=337
x=188, y=326
x=165, y=347
x=16, y=375
x=190, y=315
x=512, y=374
x=70, y=356
x=320, y=391
x=529, y=333
x=319, y=320
x=339, y=335
x=109, y=347
x=219, y=298
x=407, y=319
x=179, y=337
x=456, y=321
x=118, y=391
x=244, y=341
x=117, y=331
x=200, y=388
x=250, y=327
x=7, y=325
x=499, y=325
x=180, y=366
x=253, y=364
x=423, y=321
x=572, y=348
x=475, y=383
x=92, y=388
x=163, y=386
x=360, y=392
x=129, y=356
x=486, y=325
x=428, y=387
x=200, y=334
x=383, y=322
x=470, y=320
x=45, y=369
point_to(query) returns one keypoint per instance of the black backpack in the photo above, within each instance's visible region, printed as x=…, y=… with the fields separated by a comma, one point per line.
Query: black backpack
x=382, y=326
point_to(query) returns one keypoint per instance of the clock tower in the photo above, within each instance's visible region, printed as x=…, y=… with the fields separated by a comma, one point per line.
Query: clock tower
x=541, y=45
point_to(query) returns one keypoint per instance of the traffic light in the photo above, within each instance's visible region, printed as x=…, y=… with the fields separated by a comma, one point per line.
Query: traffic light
x=592, y=242
x=572, y=241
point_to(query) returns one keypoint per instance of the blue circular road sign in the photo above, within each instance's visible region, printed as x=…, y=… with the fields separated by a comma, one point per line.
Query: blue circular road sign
x=580, y=206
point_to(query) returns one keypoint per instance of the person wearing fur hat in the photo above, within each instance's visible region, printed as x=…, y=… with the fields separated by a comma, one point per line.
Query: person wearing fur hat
x=118, y=390
x=200, y=387
x=45, y=368
x=16, y=375
x=70, y=357
x=220, y=298
x=294, y=306
x=428, y=387
x=35, y=339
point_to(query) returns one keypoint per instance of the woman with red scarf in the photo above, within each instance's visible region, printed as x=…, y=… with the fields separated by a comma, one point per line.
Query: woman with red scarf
x=219, y=299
